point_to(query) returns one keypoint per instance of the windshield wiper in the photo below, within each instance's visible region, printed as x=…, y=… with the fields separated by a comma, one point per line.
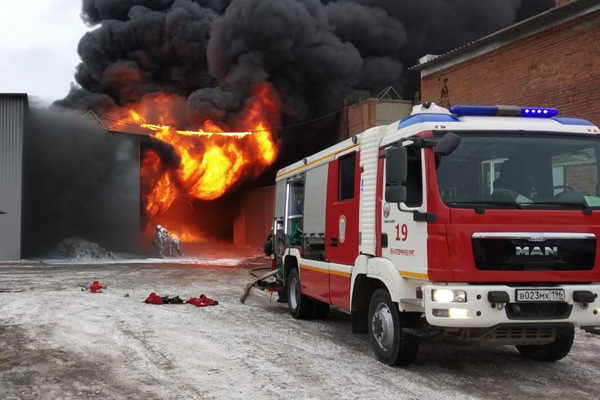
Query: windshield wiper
x=582, y=205
x=483, y=204
x=480, y=206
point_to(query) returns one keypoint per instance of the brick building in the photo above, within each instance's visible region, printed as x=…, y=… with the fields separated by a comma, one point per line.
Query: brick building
x=551, y=59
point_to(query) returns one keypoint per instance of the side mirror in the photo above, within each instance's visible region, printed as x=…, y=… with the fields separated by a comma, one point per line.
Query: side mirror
x=395, y=165
x=395, y=194
x=447, y=144
x=396, y=161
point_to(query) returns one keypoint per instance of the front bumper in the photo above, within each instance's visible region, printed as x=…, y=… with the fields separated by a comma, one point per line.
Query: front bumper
x=489, y=305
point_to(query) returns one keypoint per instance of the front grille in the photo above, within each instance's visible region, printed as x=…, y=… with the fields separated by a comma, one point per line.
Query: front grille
x=520, y=254
x=538, y=311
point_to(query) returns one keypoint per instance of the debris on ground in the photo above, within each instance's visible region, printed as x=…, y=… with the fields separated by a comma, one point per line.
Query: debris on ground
x=153, y=298
x=81, y=249
x=171, y=300
x=202, y=301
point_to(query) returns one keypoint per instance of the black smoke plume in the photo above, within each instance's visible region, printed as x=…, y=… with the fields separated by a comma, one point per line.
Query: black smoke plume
x=78, y=182
x=314, y=53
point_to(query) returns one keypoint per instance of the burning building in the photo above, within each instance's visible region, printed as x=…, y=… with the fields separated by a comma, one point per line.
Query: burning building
x=192, y=178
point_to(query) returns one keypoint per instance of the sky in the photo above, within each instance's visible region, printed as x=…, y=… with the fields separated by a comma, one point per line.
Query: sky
x=38, y=47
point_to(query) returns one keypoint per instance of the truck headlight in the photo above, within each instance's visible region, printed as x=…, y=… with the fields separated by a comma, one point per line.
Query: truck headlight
x=448, y=296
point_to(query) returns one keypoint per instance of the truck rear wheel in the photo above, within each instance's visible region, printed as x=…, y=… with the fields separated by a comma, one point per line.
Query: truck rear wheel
x=390, y=344
x=300, y=306
x=552, y=351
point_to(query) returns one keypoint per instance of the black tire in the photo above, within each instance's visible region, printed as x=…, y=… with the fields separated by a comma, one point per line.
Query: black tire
x=390, y=345
x=301, y=306
x=554, y=351
x=321, y=310
x=282, y=297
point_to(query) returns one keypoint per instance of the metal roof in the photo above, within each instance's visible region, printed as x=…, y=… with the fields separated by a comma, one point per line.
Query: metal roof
x=525, y=28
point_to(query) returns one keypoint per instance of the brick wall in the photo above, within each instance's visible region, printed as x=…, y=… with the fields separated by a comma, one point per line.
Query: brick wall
x=582, y=177
x=559, y=67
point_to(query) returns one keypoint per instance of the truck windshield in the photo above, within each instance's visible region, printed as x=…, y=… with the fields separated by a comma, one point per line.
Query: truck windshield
x=521, y=170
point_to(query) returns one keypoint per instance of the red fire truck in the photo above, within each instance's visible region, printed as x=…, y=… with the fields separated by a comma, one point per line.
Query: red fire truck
x=475, y=221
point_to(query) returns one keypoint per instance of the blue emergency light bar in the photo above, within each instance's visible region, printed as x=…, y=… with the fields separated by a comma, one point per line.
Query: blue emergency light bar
x=505, y=111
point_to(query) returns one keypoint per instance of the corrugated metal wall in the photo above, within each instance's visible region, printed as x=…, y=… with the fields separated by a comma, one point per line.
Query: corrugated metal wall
x=124, y=195
x=13, y=108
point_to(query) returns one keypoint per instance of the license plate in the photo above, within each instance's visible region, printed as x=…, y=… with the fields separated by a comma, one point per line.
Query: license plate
x=540, y=295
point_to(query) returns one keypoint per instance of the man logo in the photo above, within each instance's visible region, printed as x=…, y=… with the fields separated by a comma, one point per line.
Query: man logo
x=537, y=237
x=536, y=251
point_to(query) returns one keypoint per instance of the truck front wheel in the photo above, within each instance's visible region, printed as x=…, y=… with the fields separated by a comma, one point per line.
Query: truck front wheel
x=300, y=306
x=552, y=351
x=390, y=344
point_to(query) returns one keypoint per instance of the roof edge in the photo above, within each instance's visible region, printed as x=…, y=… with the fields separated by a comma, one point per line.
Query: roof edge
x=528, y=27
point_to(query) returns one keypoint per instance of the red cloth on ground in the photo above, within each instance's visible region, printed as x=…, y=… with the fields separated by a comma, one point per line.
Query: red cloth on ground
x=208, y=301
x=96, y=287
x=202, y=301
x=195, y=301
x=153, y=298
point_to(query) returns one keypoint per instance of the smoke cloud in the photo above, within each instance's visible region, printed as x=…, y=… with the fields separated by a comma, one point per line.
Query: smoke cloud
x=314, y=53
x=77, y=182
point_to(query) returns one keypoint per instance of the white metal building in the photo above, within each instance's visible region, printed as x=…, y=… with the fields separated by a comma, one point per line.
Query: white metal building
x=13, y=108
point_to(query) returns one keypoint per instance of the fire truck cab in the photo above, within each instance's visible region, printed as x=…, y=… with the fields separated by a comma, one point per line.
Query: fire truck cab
x=475, y=221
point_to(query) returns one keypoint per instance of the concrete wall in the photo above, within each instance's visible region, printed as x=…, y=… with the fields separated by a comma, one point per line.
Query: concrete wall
x=13, y=109
x=373, y=112
x=558, y=67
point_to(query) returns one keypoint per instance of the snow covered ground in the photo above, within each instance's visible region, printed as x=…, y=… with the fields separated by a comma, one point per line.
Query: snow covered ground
x=60, y=341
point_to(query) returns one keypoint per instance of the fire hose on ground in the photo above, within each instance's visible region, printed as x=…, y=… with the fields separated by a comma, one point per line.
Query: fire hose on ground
x=258, y=279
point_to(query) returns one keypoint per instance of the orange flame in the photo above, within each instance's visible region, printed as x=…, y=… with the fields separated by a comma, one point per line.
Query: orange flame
x=212, y=160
